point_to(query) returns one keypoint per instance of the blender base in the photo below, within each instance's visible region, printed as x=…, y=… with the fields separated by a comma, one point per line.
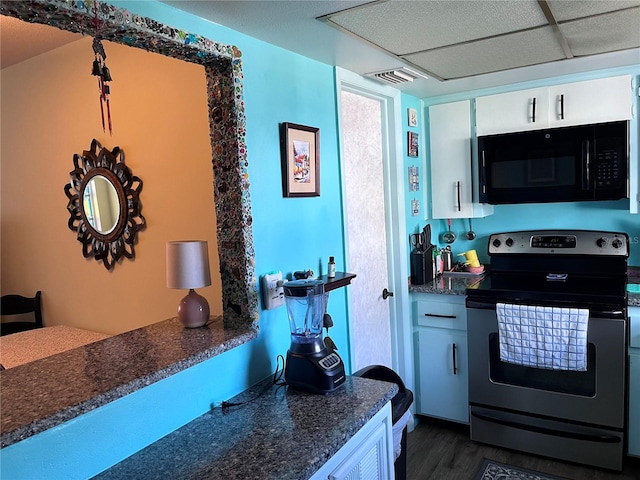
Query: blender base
x=320, y=372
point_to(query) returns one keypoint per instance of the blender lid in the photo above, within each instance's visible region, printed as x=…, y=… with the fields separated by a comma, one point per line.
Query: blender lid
x=303, y=287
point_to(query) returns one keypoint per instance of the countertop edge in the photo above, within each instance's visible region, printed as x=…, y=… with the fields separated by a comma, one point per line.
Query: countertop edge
x=16, y=431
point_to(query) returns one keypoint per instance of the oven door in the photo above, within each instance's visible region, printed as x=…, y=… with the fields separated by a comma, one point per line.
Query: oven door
x=595, y=396
x=554, y=413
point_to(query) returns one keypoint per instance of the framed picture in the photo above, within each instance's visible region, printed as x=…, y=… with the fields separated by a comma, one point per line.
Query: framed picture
x=413, y=144
x=412, y=115
x=414, y=179
x=300, y=156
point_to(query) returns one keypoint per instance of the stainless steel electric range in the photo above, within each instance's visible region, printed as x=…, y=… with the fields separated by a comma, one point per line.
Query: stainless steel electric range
x=569, y=411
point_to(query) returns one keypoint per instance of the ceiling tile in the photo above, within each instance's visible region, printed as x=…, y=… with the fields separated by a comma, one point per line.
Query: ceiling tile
x=403, y=27
x=563, y=10
x=491, y=55
x=604, y=33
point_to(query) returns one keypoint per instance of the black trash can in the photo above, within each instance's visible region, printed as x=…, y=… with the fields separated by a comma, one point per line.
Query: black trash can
x=400, y=404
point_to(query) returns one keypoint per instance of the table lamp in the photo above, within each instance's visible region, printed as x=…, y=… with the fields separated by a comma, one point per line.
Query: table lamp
x=188, y=268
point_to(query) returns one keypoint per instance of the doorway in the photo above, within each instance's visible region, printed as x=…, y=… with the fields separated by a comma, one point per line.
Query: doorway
x=373, y=202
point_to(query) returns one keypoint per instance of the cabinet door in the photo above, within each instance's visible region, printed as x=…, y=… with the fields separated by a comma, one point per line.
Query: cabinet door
x=512, y=112
x=592, y=101
x=367, y=461
x=634, y=404
x=442, y=374
x=450, y=141
x=367, y=455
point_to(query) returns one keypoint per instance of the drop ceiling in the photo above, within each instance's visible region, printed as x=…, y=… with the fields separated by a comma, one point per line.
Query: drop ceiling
x=457, y=39
x=459, y=45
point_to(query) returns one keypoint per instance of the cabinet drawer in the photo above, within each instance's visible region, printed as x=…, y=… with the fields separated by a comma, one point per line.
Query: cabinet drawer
x=441, y=314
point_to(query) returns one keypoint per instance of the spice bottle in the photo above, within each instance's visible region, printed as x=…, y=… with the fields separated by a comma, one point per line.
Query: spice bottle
x=331, y=270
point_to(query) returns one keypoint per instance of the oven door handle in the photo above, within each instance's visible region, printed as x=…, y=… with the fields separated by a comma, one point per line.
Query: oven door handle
x=480, y=305
x=614, y=314
x=548, y=431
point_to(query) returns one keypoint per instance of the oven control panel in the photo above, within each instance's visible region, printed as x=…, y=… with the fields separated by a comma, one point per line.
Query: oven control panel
x=560, y=242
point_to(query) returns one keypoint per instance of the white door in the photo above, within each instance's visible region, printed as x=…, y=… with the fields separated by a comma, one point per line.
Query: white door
x=362, y=164
x=373, y=202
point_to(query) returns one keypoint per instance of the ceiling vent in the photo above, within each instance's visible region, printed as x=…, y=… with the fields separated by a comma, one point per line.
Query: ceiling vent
x=396, y=76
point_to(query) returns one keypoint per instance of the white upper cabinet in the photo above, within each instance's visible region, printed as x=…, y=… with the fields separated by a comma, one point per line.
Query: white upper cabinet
x=594, y=101
x=451, y=162
x=512, y=112
x=580, y=103
x=450, y=140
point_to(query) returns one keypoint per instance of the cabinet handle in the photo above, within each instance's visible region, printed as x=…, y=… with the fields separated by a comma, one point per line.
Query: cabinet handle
x=458, y=195
x=455, y=367
x=533, y=118
x=434, y=315
x=562, y=106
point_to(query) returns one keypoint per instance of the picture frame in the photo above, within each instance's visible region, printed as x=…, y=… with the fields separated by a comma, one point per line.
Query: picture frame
x=300, y=157
x=414, y=178
x=412, y=117
x=412, y=144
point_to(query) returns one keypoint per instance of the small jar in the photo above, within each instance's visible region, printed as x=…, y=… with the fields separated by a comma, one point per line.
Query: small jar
x=331, y=270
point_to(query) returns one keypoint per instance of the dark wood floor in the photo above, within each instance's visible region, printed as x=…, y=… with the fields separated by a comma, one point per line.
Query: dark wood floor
x=442, y=450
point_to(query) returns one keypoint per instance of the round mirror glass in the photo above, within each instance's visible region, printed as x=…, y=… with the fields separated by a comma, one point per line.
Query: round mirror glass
x=101, y=205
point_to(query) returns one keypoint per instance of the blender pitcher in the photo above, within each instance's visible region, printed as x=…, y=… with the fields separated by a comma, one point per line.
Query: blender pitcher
x=306, y=302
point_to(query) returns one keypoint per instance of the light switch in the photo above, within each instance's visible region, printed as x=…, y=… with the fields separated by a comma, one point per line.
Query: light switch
x=272, y=291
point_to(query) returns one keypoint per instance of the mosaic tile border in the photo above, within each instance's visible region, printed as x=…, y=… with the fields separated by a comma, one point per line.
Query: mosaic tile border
x=223, y=70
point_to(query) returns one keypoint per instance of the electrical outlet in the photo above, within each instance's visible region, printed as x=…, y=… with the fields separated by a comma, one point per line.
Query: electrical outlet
x=272, y=291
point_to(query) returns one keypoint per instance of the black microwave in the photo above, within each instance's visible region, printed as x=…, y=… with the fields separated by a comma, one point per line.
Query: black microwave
x=568, y=164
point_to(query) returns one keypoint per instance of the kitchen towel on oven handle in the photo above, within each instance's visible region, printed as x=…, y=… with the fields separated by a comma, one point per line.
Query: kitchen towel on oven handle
x=543, y=337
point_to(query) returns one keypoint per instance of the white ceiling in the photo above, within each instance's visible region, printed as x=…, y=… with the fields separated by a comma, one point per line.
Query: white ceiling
x=461, y=41
x=462, y=45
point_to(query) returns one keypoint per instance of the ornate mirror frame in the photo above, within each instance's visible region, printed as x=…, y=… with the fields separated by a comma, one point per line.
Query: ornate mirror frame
x=223, y=70
x=120, y=239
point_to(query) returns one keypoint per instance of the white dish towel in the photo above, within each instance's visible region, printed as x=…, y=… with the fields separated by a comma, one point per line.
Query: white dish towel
x=543, y=337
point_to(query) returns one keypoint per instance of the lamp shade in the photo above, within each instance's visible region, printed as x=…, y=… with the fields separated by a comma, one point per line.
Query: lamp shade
x=188, y=264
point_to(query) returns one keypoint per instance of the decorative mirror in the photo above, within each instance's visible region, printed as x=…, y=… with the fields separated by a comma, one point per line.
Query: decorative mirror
x=104, y=203
x=223, y=69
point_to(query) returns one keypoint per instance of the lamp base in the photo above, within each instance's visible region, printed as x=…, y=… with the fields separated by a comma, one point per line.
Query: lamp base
x=193, y=310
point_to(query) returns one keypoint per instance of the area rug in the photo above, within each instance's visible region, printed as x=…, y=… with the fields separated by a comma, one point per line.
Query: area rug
x=492, y=470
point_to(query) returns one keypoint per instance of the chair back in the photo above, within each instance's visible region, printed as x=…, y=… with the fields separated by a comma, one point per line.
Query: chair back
x=18, y=305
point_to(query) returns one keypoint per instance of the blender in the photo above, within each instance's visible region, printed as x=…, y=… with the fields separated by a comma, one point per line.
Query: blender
x=311, y=365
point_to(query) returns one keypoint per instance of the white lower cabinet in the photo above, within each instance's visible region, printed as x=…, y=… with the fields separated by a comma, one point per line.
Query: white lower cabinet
x=441, y=357
x=634, y=403
x=367, y=456
x=634, y=382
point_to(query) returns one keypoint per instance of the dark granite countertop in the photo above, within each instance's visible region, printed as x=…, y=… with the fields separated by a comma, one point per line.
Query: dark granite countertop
x=452, y=285
x=45, y=393
x=281, y=434
x=447, y=285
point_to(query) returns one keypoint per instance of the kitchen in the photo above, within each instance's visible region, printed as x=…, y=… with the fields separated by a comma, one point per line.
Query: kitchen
x=613, y=215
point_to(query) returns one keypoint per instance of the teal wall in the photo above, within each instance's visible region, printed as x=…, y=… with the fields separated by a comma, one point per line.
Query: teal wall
x=289, y=234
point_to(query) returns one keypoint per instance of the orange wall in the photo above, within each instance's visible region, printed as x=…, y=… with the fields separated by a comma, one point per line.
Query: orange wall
x=50, y=111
